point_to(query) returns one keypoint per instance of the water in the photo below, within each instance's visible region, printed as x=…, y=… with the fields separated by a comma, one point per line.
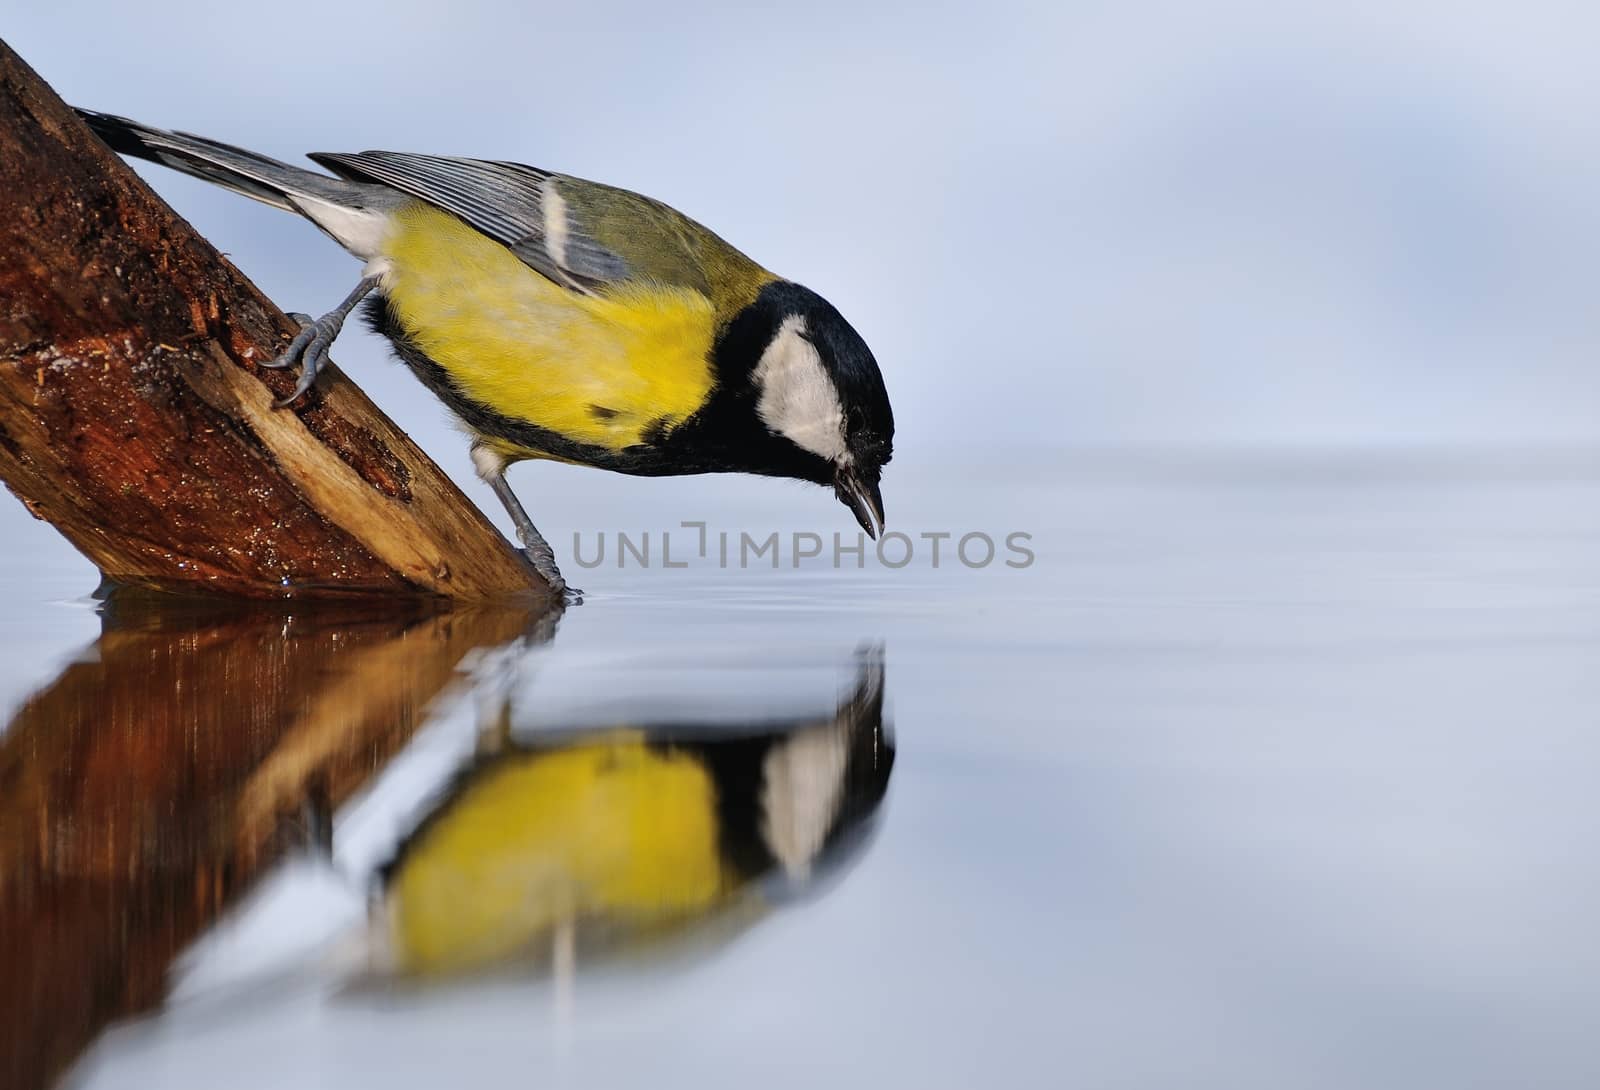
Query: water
x=1263, y=774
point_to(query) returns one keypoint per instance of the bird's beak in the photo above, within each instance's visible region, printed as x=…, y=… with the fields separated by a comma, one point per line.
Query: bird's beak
x=862, y=497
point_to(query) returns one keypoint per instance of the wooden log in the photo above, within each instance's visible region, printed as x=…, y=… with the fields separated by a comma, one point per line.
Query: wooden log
x=145, y=790
x=135, y=418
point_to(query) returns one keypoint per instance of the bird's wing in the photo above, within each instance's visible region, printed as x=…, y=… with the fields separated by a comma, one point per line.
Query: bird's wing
x=582, y=235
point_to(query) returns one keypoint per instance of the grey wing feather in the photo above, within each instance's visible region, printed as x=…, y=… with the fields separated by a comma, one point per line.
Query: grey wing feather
x=505, y=201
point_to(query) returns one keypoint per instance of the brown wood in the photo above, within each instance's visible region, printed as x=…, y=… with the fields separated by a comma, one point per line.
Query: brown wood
x=145, y=790
x=134, y=416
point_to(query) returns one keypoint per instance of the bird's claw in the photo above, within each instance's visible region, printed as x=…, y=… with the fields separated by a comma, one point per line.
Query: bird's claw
x=311, y=345
x=310, y=350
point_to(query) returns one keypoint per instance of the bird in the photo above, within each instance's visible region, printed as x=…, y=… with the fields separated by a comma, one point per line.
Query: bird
x=570, y=320
x=623, y=837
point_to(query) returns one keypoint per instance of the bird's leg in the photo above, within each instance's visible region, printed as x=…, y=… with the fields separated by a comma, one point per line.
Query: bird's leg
x=492, y=468
x=310, y=346
x=538, y=550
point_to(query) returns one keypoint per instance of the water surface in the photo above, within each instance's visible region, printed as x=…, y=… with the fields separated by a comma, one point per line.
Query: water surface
x=1263, y=774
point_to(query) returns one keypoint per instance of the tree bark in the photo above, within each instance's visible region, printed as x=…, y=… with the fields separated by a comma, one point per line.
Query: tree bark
x=136, y=419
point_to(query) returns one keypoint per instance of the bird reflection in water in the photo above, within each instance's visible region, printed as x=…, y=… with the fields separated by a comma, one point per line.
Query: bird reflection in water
x=611, y=840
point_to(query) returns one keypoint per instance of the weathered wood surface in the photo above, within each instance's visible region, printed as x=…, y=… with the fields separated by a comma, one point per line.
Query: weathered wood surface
x=147, y=787
x=135, y=418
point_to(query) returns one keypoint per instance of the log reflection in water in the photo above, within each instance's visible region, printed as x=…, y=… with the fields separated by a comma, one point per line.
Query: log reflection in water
x=144, y=790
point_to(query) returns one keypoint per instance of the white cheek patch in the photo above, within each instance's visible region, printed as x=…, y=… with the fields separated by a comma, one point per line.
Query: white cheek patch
x=803, y=783
x=798, y=400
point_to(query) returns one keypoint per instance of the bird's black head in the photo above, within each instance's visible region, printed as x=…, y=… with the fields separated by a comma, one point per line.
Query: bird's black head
x=816, y=394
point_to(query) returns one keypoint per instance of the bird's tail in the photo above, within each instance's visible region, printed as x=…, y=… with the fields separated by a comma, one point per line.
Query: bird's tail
x=351, y=212
x=232, y=168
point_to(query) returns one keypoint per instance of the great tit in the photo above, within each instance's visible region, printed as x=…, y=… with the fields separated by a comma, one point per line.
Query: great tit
x=622, y=838
x=565, y=319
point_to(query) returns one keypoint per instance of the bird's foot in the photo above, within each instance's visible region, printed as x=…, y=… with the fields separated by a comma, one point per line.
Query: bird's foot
x=309, y=349
x=543, y=559
x=311, y=345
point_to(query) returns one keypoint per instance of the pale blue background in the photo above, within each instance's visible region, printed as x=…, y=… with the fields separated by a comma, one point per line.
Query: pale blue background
x=1067, y=222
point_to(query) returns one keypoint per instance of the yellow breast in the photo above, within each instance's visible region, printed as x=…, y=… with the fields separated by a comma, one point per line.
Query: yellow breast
x=595, y=370
x=609, y=830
